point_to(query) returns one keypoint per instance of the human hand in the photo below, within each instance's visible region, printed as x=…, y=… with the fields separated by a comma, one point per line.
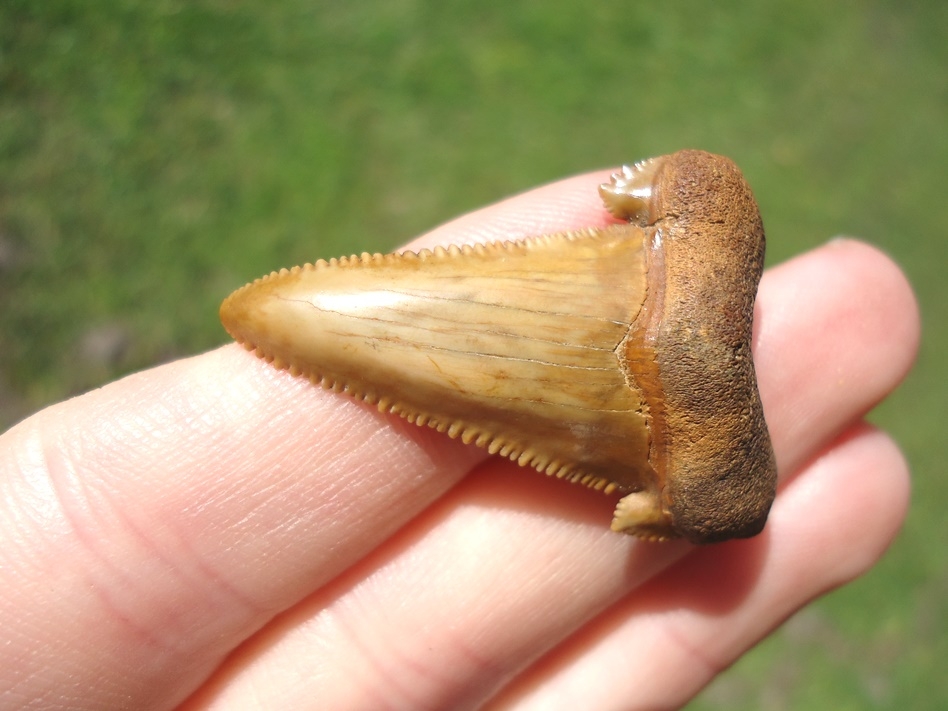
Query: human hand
x=216, y=534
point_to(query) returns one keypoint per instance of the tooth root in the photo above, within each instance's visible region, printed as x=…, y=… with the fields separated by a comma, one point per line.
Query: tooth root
x=616, y=357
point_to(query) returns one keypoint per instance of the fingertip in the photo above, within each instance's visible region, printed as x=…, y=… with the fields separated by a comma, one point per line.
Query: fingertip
x=859, y=276
x=892, y=292
x=837, y=329
x=887, y=494
x=848, y=504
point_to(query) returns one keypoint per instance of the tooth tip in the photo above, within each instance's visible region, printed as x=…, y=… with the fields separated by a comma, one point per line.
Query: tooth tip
x=238, y=312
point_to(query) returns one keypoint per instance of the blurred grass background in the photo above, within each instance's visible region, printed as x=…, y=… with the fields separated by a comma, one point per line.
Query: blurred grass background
x=155, y=155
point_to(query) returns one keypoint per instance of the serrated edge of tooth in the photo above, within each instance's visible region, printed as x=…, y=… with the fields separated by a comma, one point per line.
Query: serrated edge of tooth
x=495, y=444
x=438, y=252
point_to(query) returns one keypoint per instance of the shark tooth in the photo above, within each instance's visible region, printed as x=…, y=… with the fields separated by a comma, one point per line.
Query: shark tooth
x=616, y=357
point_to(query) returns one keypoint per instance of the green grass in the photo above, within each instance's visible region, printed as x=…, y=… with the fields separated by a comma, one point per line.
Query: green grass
x=155, y=155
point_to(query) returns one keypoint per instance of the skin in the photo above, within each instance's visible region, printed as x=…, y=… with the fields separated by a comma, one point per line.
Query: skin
x=214, y=533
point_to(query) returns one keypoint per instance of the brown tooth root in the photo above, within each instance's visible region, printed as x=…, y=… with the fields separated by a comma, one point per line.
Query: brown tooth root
x=616, y=357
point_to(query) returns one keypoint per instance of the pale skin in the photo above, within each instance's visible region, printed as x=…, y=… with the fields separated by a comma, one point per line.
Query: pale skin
x=213, y=533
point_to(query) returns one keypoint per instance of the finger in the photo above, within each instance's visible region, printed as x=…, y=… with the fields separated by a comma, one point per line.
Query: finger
x=509, y=564
x=811, y=312
x=179, y=509
x=568, y=204
x=660, y=646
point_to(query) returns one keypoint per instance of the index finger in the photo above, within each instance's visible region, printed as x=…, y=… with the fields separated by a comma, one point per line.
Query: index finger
x=152, y=525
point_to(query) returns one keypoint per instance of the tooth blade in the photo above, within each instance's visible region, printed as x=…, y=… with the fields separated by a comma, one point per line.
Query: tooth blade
x=510, y=345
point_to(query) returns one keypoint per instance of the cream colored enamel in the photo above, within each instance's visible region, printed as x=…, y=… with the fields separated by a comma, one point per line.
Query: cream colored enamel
x=509, y=345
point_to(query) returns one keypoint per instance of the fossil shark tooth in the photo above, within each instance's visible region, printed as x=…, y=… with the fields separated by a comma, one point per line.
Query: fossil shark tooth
x=616, y=357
